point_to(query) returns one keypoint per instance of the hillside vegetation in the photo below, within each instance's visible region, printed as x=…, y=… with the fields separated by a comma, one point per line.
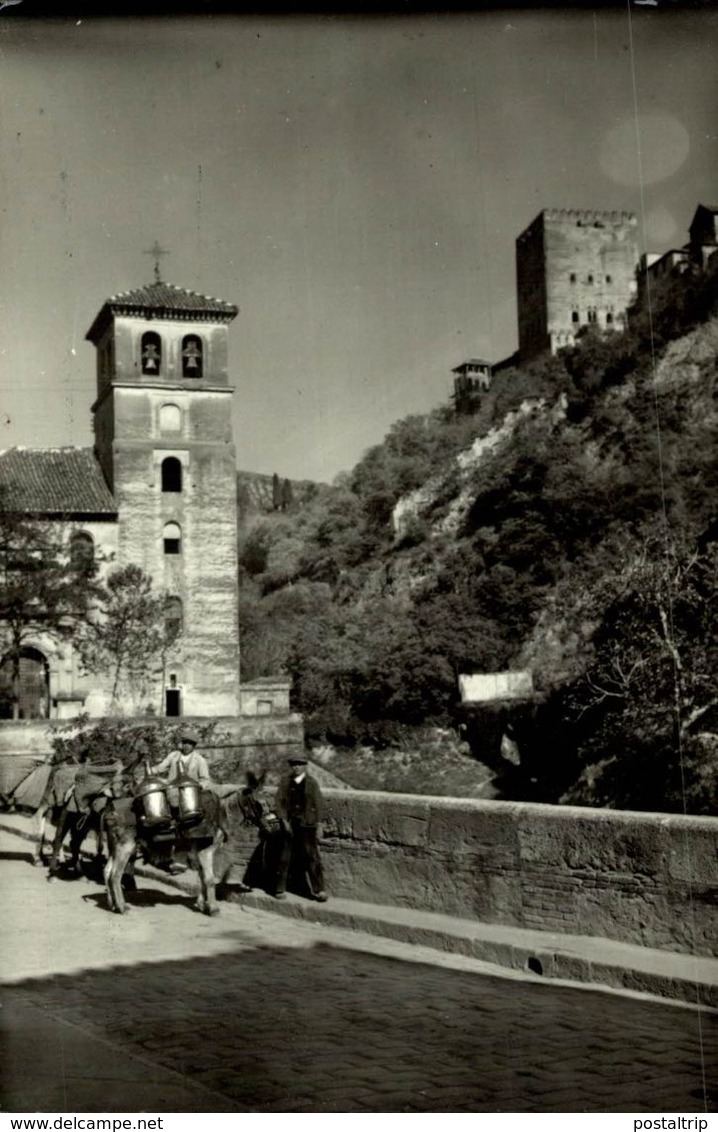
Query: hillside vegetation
x=569, y=526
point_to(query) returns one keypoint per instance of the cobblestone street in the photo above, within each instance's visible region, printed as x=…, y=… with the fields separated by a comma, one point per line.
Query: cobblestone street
x=252, y=1012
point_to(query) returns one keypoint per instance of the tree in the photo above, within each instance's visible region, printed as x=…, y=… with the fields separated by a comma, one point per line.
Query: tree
x=287, y=495
x=268, y=625
x=276, y=493
x=44, y=587
x=129, y=635
x=323, y=658
x=647, y=704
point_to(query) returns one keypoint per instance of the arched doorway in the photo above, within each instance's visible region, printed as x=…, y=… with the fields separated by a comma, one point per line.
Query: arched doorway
x=33, y=693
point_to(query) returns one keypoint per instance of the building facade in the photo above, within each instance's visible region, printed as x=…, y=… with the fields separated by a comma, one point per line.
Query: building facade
x=574, y=268
x=157, y=490
x=654, y=268
x=703, y=235
x=694, y=256
x=471, y=379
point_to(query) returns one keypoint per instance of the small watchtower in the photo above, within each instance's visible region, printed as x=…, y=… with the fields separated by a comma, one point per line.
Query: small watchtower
x=471, y=379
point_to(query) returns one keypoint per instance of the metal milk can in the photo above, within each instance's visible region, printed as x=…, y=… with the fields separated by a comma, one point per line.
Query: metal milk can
x=190, y=807
x=155, y=806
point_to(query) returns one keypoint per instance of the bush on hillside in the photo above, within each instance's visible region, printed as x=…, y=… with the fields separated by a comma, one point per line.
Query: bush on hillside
x=554, y=514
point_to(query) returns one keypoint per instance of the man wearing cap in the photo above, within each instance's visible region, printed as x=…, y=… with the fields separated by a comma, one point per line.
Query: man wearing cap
x=298, y=805
x=185, y=760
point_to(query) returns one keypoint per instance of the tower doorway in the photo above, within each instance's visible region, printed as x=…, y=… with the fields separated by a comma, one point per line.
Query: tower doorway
x=33, y=688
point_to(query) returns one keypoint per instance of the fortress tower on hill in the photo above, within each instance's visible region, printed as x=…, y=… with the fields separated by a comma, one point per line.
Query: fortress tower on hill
x=574, y=268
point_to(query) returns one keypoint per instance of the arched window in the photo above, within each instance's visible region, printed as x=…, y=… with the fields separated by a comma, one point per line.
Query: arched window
x=573, y=276
x=171, y=474
x=151, y=352
x=574, y=316
x=173, y=618
x=590, y=279
x=191, y=356
x=609, y=319
x=82, y=552
x=172, y=536
x=170, y=418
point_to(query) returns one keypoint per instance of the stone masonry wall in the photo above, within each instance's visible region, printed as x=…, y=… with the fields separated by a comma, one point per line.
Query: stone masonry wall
x=643, y=878
x=205, y=663
x=531, y=291
x=648, y=879
x=590, y=264
x=257, y=743
x=574, y=267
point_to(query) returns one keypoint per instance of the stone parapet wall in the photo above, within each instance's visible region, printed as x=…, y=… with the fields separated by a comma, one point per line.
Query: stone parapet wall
x=256, y=742
x=649, y=879
x=23, y=744
x=27, y=736
x=643, y=878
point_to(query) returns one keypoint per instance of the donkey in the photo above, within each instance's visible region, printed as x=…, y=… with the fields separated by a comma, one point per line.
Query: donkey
x=60, y=778
x=128, y=838
x=58, y=806
x=75, y=798
x=78, y=825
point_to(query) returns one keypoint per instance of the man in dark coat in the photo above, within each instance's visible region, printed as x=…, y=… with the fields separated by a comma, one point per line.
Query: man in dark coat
x=298, y=805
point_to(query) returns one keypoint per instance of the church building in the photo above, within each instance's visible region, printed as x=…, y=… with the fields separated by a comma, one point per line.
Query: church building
x=157, y=490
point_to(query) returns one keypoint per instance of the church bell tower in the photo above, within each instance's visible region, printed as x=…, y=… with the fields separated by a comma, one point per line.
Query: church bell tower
x=163, y=436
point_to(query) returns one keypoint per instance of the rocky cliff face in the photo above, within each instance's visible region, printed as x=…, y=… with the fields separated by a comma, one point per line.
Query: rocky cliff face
x=456, y=478
x=538, y=534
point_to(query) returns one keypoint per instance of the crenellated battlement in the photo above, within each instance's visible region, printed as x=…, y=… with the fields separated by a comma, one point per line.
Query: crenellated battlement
x=580, y=218
x=590, y=215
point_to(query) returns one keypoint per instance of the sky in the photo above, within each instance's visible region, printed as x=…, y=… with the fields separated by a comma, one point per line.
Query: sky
x=354, y=185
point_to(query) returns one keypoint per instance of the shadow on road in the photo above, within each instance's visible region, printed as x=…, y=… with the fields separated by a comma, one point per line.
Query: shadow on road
x=142, y=898
x=334, y=1029
x=27, y=857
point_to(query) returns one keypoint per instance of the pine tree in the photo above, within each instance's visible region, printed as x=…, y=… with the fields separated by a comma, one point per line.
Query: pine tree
x=287, y=495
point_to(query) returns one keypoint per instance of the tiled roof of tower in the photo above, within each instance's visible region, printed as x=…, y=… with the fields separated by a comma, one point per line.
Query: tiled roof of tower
x=54, y=481
x=164, y=300
x=168, y=297
x=471, y=362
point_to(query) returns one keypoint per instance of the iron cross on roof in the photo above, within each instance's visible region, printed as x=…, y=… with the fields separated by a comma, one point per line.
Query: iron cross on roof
x=157, y=252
